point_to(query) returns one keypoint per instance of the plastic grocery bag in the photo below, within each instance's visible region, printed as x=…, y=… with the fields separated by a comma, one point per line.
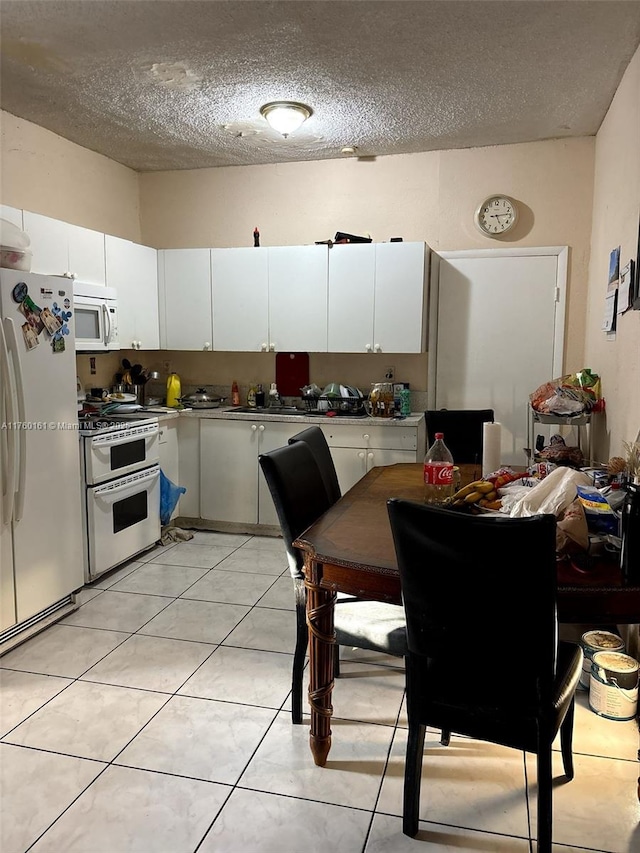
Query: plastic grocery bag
x=169, y=497
x=552, y=495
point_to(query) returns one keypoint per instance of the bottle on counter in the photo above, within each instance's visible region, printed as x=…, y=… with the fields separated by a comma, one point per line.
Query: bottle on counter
x=274, y=397
x=251, y=397
x=438, y=472
x=256, y=236
x=259, y=397
x=235, y=394
x=174, y=390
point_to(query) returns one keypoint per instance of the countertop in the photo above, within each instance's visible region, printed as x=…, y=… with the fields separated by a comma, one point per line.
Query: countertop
x=228, y=413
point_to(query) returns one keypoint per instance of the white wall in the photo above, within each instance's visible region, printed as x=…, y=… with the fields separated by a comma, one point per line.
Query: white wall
x=616, y=213
x=44, y=173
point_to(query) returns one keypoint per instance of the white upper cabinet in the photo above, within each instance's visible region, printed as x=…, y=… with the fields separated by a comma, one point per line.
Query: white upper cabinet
x=133, y=270
x=298, y=298
x=351, y=292
x=184, y=284
x=49, y=243
x=59, y=247
x=400, y=301
x=240, y=287
x=87, y=254
x=378, y=297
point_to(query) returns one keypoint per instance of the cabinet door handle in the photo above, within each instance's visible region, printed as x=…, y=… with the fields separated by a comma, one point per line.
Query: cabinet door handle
x=261, y=427
x=368, y=347
x=253, y=427
x=378, y=348
x=207, y=345
x=264, y=347
x=272, y=347
x=369, y=455
x=366, y=436
x=361, y=454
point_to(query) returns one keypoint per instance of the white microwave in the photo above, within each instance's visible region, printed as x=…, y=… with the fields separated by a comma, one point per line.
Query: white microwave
x=96, y=317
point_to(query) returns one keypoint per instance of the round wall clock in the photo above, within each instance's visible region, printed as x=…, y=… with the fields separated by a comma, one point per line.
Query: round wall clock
x=496, y=215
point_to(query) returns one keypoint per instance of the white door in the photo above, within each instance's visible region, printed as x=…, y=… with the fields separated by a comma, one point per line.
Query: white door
x=351, y=288
x=500, y=334
x=133, y=270
x=240, y=287
x=400, y=297
x=184, y=284
x=298, y=298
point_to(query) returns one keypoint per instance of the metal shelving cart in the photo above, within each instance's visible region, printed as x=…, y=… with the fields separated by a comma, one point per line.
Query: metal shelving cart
x=582, y=424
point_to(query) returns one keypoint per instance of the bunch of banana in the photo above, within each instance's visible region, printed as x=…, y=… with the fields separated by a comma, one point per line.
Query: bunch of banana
x=480, y=492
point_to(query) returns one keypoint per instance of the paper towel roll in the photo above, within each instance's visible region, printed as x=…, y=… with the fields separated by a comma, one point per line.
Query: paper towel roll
x=490, y=448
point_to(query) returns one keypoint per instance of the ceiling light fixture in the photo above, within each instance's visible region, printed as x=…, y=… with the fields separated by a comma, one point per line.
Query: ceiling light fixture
x=285, y=116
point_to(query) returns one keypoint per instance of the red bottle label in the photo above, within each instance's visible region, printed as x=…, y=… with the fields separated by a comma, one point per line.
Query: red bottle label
x=438, y=473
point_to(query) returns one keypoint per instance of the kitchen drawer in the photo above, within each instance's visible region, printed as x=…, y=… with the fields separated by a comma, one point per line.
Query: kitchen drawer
x=370, y=435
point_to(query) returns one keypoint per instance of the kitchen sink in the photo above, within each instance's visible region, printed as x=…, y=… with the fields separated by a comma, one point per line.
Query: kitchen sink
x=271, y=410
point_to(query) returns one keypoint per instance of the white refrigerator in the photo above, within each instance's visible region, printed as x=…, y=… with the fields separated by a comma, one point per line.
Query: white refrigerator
x=40, y=498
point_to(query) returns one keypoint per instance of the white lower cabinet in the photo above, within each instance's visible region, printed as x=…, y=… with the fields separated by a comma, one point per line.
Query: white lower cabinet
x=168, y=450
x=232, y=488
x=357, y=449
x=189, y=466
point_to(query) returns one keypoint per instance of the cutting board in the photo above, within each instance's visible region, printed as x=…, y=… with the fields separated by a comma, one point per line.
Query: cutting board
x=292, y=372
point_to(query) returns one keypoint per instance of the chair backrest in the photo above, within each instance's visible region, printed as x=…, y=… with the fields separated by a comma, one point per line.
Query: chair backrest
x=298, y=492
x=314, y=438
x=479, y=594
x=462, y=430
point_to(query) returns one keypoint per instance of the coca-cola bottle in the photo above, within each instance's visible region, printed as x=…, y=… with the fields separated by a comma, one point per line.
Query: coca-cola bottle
x=438, y=472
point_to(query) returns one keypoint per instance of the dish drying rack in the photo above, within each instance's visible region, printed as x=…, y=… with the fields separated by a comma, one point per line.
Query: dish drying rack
x=344, y=405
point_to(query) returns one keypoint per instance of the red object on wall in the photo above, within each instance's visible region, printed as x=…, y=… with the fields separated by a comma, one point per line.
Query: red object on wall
x=292, y=372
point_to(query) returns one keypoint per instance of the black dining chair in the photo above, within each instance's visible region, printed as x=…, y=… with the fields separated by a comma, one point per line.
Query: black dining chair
x=298, y=491
x=317, y=443
x=484, y=658
x=462, y=429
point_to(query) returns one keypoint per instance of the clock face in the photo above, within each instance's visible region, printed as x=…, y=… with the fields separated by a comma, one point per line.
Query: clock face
x=496, y=215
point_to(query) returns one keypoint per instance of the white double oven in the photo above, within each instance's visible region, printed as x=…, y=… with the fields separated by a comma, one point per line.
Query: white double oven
x=121, y=485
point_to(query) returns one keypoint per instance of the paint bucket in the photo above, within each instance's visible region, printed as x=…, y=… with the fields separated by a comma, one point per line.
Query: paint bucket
x=593, y=642
x=613, y=692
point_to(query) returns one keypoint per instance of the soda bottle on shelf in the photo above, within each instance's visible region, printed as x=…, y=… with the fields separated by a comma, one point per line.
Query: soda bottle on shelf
x=438, y=472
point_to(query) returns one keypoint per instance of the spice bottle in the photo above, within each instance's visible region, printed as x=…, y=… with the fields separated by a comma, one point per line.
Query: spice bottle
x=251, y=397
x=438, y=472
x=260, y=397
x=235, y=394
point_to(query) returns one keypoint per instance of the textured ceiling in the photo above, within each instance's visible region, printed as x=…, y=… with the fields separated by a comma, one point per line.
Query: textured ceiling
x=178, y=84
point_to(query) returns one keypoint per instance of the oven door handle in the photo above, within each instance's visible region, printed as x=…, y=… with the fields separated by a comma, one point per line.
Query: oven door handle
x=98, y=444
x=105, y=492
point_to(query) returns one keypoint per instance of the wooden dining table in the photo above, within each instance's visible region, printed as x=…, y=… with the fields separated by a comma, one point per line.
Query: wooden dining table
x=350, y=549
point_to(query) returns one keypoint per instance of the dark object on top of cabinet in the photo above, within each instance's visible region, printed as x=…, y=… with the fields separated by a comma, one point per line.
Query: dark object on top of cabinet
x=341, y=237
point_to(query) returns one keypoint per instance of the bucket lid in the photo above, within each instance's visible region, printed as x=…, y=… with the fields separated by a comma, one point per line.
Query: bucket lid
x=602, y=640
x=615, y=661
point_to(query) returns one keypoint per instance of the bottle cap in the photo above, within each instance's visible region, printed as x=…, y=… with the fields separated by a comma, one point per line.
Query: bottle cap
x=439, y=435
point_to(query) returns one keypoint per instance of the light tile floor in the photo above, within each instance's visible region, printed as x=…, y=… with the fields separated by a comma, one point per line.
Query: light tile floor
x=156, y=719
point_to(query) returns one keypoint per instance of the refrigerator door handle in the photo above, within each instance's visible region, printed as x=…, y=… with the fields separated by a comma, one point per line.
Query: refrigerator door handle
x=107, y=325
x=8, y=489
x=12, y=341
